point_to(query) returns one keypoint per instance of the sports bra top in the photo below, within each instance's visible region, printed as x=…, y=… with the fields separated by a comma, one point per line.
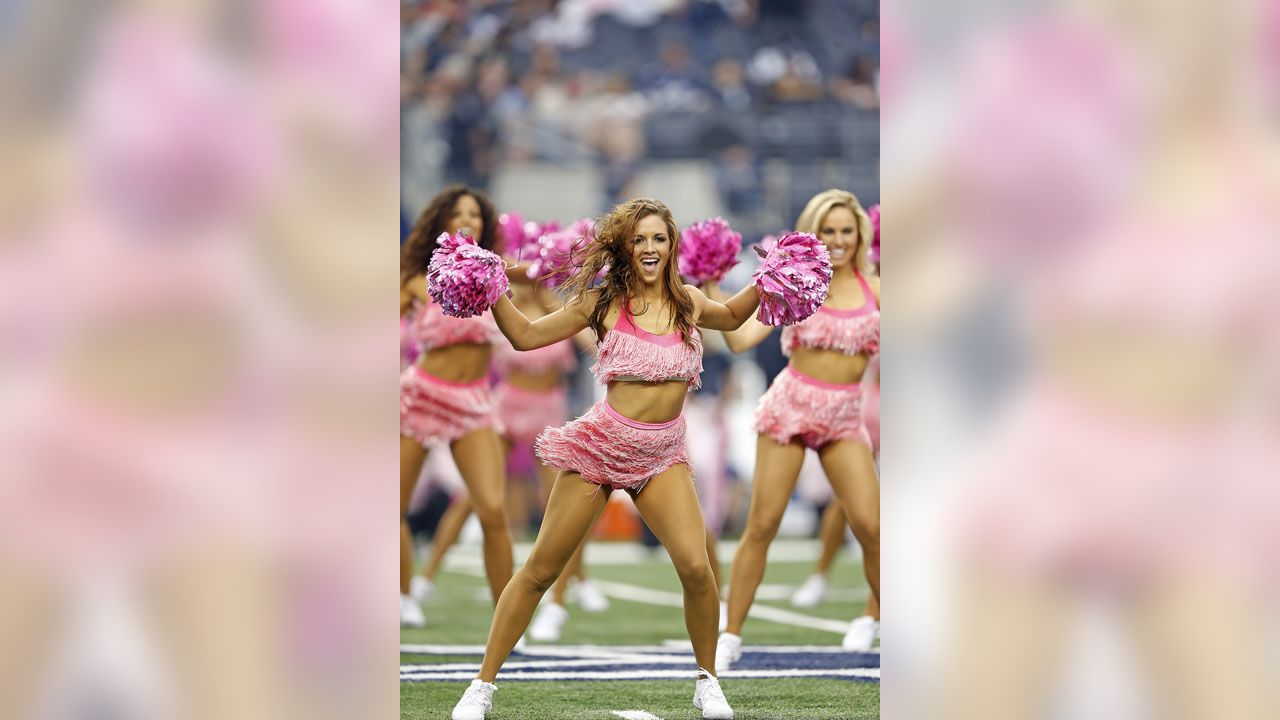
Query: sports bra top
x=434, y=329
x=631, y=353
x=851, y=332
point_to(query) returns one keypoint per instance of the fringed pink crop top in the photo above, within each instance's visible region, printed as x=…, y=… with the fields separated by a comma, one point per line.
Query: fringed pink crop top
x=434, y=329
x=851, y=332
x=561, y=356
x=632, y=353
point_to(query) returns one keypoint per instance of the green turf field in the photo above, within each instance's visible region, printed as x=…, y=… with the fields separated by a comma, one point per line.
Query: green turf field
x=755, y=699
x=644, y=611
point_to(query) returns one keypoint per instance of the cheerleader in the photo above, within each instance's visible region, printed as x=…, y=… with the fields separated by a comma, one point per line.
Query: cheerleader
x=445, y=396
x=531, y=397
x=815, y=403
x=649, y=355
x=864, y=630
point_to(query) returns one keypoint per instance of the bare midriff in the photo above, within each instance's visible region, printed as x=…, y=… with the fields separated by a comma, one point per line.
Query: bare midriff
x=464, y=362
x=830, y=366
x=542, y=381
x=648, y=402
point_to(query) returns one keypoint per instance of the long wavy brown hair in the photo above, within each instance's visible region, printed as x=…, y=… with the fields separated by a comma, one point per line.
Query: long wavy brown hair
x=612, y=247
x=421, y=243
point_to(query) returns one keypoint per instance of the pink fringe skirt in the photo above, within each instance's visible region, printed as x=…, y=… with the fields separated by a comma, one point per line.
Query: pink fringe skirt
x=613, y=451
x=526, y=413
x=436, y=411
x=799, y=407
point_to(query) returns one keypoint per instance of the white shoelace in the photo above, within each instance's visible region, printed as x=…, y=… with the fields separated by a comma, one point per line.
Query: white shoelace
x=711, y=687
x=474, y=694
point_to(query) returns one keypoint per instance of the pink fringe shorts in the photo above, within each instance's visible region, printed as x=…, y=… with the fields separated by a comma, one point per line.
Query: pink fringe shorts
x=526, y=413
x=613, y=451
x=439, y=411
x=799, y=407
x=871, y=413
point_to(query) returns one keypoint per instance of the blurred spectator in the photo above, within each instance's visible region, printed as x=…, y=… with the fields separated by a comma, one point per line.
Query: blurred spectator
x=673, y=83
x=730, y=86
x=859, y=85
x=739, y=179
x=614, y=126
x=783, y=22
x=789, y=75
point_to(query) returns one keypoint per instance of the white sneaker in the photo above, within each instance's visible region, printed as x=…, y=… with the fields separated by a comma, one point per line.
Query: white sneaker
x=476, y=702
x=709, y=698
x=547, y=623
x=420, y=588
x=811, y=592
x=589, y=597
x=862, y=634
x=728, y=651
x=411, y=613
x=724, y=616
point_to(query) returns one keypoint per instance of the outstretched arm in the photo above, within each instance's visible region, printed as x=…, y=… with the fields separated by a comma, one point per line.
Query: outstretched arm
x=546, y=330
x=747, y=334
x=725, y=314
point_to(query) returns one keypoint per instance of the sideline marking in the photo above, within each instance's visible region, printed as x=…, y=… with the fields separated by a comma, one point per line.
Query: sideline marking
x=635, y=715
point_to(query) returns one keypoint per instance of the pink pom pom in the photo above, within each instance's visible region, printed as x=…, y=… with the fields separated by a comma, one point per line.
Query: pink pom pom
x=793, y=278
x=559, y=253
x=465, y=278
x=873, y=212
x=522, y=236
x=410, y=347
x=512, y=226
x=708, y=249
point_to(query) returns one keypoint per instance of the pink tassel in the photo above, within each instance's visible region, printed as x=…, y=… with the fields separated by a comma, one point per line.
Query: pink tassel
x=624, y=355
x=708, y=250
x=793, y=278
x=829, y=332
x=608, y=452
x=464, y=278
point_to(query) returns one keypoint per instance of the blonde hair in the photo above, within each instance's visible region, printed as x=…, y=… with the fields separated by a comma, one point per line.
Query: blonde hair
x=822, y=204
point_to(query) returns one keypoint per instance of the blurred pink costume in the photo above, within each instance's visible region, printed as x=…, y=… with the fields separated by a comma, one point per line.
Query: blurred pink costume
x=1092, y=482
x=607, y=448
x=433, y=410
x=525, y=413
x=800, y=407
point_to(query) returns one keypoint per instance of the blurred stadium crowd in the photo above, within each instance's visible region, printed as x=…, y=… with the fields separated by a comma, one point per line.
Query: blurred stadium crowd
x=777, y=99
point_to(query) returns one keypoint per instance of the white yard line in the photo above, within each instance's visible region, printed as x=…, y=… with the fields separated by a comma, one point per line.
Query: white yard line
x=635, y=715
x=606, y=652
x=635, y=593
x=784, y=592
x=424, y=674
x=685, y=645
x=589, y=662
x=632, y=553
